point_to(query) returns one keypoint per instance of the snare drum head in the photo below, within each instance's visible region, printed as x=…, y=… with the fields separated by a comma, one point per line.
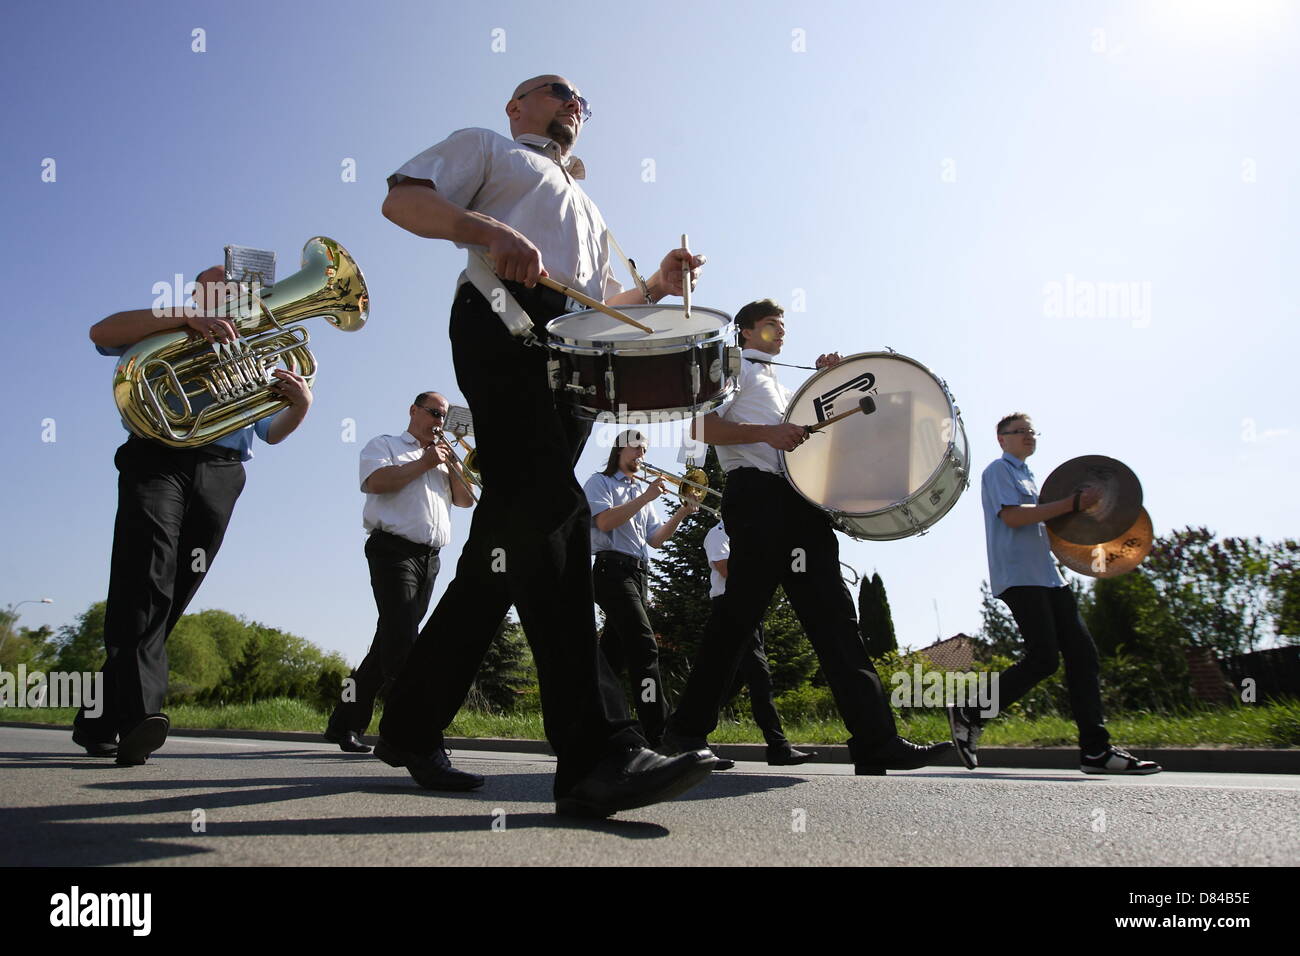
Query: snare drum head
x=868, y=462
x=668, y=322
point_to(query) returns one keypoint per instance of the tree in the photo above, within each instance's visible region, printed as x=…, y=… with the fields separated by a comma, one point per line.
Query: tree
x=998, y=635
x=1143, y=646
x=34, y=647
x=875, y=622
x=679, y=605
x=1220, y=590
x=81, y=645
x=506, y=670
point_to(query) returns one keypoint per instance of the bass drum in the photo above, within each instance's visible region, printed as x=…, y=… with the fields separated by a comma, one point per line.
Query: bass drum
x=888, y=474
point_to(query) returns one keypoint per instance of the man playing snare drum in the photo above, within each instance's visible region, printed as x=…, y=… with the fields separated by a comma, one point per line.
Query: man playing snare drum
x=778, y=538
x=517, y=200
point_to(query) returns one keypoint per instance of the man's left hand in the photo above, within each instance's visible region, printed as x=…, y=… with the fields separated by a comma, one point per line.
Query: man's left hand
x=670, y=270
x=828, y=361
x=291, y=387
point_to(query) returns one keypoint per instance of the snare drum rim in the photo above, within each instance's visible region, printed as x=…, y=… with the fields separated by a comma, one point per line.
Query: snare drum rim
x=944, y=462
x=661, y=346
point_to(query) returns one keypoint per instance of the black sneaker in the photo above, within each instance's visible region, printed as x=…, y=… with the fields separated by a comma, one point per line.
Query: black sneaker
x=1113, y=760
x=965, y=735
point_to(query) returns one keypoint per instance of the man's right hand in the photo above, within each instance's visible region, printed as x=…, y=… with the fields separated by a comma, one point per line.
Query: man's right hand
x=785, y=437
x=655, y=489
x=515, y=258
x=1088, y=496
x=435, y=454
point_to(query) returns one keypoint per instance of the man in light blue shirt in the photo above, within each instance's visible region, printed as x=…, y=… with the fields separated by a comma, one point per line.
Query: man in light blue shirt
x=1022, y=573
x=624, y=526
x=173, y=508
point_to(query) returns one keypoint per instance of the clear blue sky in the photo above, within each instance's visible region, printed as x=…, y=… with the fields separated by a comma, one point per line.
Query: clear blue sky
x=923, y=172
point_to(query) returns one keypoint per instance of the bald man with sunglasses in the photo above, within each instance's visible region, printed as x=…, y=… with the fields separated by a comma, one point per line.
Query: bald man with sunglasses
x=516, y=205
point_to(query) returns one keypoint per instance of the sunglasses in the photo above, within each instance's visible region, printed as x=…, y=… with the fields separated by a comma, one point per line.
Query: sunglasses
x=563, y=94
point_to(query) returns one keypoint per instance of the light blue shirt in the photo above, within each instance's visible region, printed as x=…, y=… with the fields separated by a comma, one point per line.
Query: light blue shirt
x=241, y=441
x=631, y=536
x=1017, y=556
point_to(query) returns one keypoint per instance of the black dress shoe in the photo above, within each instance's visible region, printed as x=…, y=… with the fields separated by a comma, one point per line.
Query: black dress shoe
x=433, y=772
x=142, y=740
x=94, y=748
x=634, y=777
x=349, y=741
x=673, y=744
x=900, y=754
x=786, y=756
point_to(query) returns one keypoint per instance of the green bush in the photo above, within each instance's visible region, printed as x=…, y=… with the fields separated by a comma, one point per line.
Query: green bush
x=1284, y=724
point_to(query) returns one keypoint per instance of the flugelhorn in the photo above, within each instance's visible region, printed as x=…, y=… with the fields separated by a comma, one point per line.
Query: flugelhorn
x=176, y=388
x=694, y=485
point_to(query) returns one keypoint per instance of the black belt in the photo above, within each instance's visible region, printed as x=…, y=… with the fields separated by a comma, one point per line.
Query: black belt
x=201, y=452
x=621, y=560
x=405, y=543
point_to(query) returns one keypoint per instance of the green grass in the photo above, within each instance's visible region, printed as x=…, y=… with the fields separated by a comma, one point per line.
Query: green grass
x=1255, y=725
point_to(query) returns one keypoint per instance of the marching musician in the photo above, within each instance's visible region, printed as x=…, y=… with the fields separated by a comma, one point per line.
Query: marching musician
x=1023, y=575
x=173, y=507
x=410, y=482
x=624, y=526
x=752, y=668
x=778, y=538
x=519, y=200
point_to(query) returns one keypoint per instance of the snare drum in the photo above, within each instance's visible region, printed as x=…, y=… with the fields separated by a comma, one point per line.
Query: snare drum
x=888, y=474
x=605, y=366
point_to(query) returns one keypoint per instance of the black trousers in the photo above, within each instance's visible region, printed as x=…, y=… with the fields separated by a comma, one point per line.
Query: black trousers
x=529, y=545
x=173, y=507
x=777, y=538
x=628, y=641
x=402, y=574
x=752, y=672
x=1053, y=631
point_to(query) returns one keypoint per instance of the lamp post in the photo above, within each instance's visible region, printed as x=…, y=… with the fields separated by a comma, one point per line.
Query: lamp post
x=14, y=609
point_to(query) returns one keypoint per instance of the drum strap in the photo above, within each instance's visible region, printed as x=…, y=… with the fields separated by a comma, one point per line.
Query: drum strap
x=631, y=266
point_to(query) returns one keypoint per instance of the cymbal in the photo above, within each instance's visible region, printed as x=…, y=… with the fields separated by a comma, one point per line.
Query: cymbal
x=1110, y=558
x=1120, y=505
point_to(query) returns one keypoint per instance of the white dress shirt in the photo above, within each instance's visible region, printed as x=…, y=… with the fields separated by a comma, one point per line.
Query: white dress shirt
x=759, y=400
x=717, y=547
x=527, y=184
x=419, y=511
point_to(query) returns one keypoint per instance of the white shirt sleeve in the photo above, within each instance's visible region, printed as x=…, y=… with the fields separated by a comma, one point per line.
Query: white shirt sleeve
x=374, y=456
x=457, y=166
x=717, y=546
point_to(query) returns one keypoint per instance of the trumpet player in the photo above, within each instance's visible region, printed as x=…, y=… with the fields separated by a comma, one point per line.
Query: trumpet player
x=411, y=481
x=173, y=507
x=624, y=526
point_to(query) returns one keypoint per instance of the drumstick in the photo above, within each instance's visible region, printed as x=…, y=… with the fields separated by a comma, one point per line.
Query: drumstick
x=591, y=303
x=867, y=405
x=686, y=278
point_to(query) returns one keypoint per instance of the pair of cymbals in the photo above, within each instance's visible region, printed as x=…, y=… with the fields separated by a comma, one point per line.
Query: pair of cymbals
x=1114, y=535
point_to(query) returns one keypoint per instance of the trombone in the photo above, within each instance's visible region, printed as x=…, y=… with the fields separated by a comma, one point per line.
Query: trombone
x=694, y=485
x=464, y=470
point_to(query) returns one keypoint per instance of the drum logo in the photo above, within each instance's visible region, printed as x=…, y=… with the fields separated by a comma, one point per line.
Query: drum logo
x=824, y=404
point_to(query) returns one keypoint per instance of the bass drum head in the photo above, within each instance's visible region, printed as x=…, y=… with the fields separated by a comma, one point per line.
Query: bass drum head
x=884, y=475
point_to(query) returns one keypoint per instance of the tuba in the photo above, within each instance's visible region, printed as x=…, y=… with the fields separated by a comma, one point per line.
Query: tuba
x=178, y=389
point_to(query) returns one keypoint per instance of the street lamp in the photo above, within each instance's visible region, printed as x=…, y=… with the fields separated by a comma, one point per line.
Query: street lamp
x=14, y=609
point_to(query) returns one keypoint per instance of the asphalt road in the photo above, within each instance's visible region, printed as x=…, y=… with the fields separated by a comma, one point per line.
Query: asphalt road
x=266, y=803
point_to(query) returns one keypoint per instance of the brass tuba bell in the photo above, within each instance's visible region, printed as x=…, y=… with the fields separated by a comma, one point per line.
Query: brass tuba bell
x=176, y=388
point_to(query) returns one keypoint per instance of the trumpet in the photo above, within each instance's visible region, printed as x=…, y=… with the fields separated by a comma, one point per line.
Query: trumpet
x=693, y=485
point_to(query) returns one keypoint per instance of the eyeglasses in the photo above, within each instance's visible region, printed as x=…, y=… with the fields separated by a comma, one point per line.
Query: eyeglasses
x=564, y=95
x=1022, y=431
x=433, y=411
